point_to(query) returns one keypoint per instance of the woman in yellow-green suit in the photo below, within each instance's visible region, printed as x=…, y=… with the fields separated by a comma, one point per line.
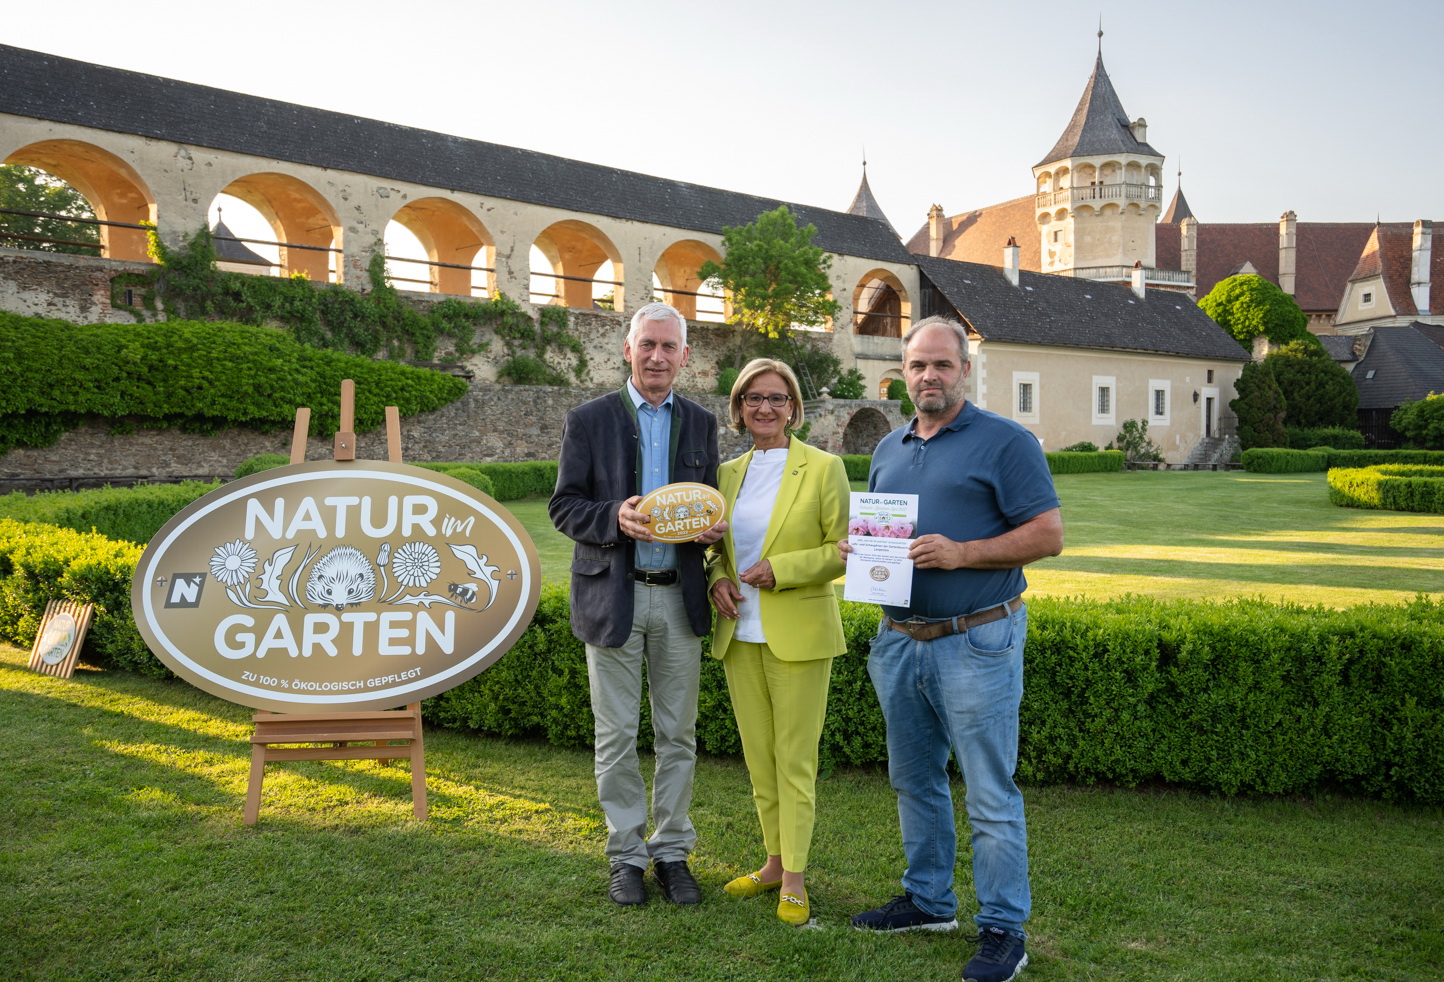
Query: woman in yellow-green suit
x=771, y=579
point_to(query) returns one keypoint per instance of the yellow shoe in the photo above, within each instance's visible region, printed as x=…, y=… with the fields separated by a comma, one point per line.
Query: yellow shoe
x=750, y=885
x=793, y=911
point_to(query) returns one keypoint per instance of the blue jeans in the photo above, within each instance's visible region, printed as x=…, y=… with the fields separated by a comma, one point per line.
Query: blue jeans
x=958, y=693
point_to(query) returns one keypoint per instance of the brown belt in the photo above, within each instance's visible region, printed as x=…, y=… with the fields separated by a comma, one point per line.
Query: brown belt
x=932, y=630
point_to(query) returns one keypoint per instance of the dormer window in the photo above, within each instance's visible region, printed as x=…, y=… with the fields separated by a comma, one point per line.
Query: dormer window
x=1366, y=299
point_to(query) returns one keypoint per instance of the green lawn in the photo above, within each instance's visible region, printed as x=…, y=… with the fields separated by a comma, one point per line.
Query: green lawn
x=1200, y=534
x=125, y=858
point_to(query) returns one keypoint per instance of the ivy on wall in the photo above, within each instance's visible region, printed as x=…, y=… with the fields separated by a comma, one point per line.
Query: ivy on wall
x=187, y=284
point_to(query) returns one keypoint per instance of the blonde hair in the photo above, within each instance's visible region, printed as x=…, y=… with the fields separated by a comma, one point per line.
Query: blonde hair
x=750, y=372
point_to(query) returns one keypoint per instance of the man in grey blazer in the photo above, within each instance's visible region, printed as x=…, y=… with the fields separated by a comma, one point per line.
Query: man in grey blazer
x=635, y=601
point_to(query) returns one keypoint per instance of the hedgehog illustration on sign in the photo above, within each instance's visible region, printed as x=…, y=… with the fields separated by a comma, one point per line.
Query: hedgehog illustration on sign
x=342, y=578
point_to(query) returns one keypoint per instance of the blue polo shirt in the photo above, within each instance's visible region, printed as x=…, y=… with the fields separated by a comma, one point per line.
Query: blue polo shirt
x=976, y=478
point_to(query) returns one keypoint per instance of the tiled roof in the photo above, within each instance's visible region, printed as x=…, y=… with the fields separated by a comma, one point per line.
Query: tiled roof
x=1339, y=346
x=1389, y=253
x=979, y=236
x=1325, y=252
x=1407, y=363
x=48, y=87
x=1060, y=311
x=1099, y=124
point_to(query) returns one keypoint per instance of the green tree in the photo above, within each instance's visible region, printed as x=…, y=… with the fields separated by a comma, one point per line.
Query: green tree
x=1249, y=305
x=1422, y=420
x=776, y=278
x=28, y=189
x=1260, y=408
x=1318, y=391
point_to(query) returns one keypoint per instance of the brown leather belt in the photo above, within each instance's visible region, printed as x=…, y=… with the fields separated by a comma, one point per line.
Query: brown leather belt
x=932, y=630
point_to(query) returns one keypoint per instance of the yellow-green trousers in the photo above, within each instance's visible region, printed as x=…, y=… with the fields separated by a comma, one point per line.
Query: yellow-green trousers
x=780, y=706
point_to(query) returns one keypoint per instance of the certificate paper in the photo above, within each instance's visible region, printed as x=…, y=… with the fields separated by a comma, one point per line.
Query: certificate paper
x=880, y=531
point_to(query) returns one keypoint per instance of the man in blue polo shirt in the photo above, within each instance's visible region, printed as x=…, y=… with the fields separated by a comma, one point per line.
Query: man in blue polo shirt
x=948, y=670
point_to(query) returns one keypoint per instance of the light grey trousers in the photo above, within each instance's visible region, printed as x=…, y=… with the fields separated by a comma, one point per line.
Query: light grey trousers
x=662, y=639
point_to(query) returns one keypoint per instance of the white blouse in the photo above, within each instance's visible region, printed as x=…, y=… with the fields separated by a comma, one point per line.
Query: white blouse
x=750, y=517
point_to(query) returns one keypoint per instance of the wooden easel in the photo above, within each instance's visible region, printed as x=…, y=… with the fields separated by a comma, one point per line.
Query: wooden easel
x=277, y=734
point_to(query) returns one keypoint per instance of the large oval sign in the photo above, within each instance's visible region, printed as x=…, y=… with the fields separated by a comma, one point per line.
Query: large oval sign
x=336, y=586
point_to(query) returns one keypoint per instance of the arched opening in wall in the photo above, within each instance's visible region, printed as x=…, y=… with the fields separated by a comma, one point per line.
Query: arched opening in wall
x=888, y=378
x=243, y=239
x=302, y=230
x=864, y=431
x=99, y=199
x=880, y=305
x=435, y=245
x=675, y=281
x=574, y=264
x=1062, y=178
x=1045, y=182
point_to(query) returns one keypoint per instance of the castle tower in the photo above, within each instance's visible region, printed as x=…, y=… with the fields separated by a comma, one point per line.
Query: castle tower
x=1099, y=191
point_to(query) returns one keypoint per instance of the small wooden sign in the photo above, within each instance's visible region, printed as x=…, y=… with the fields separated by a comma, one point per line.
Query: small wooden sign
x=62, y=631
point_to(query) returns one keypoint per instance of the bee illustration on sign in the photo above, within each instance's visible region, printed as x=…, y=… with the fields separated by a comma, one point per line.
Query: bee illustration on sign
x=343, y=576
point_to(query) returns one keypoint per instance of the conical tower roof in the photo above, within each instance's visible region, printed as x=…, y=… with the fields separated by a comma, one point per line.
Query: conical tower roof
x=1099, y=124
x=864, y=204
x=1178, y=209
x=229, y=250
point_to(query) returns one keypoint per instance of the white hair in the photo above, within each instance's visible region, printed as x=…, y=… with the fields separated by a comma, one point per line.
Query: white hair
x=657, y=312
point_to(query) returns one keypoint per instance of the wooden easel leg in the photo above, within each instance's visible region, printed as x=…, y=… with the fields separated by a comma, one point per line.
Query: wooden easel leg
x=418, y=769
x=253, y=787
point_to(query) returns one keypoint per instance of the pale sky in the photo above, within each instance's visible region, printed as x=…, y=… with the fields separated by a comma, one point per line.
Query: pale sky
x=1331, y=109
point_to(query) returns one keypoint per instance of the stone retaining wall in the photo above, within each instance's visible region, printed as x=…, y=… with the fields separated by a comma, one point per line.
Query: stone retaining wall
x=490, y=423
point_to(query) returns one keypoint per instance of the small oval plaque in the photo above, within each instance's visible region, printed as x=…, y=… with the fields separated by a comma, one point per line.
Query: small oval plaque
x=336, y=585
x=681, y=512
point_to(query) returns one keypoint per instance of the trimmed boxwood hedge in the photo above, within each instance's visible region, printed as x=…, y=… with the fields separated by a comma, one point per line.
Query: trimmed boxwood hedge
x=130, y=514
x=1059, y=462
x=502, y=481
x=1394, y=487
x=1273, y=460
x=1240, y=696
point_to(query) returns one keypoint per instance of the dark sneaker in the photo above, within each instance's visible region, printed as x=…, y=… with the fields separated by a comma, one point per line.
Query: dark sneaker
x=901, y=914
x=1000, y=957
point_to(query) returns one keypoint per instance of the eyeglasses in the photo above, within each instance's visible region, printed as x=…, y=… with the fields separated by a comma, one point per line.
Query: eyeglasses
x=777, y=400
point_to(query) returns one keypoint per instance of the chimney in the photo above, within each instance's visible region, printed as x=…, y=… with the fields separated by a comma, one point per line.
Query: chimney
x=936, y=229
x=1288, y=250
x=1419, y=271
x=1139, y=129
x=1010, y=260
x=1138, y=286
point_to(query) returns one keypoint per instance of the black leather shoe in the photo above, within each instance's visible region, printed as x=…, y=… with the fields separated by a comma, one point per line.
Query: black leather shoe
x=677, y=882
x=627, y=888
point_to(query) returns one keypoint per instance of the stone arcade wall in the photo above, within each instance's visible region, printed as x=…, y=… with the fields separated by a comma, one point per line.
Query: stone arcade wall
x=489, y=423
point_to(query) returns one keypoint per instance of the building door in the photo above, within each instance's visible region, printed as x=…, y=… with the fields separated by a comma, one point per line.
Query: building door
x=1208, y=416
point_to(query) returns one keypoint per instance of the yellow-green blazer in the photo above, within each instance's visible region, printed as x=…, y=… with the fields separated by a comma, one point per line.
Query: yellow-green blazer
x=799, y=616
